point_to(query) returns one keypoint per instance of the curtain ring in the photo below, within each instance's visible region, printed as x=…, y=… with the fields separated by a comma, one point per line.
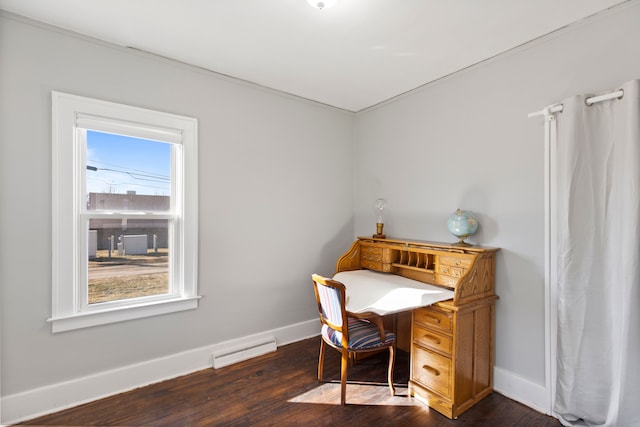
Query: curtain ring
x=622, y=94
x=588, y=97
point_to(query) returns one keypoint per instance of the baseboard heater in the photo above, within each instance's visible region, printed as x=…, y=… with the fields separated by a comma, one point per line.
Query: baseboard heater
x=230, y=356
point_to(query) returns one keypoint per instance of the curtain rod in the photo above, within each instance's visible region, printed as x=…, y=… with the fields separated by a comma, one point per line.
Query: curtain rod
x=589, y=101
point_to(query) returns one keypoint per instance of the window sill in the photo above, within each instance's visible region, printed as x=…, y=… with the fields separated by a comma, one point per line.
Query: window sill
x=120, y=314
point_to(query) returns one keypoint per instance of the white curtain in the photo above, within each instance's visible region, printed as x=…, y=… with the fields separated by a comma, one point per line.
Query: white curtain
x=598, y=261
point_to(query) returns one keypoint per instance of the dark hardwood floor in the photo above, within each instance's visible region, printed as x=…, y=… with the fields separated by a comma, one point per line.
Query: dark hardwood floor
x=281, y=389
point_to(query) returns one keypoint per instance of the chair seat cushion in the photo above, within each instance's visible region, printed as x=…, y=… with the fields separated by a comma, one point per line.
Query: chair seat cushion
x=363, y=335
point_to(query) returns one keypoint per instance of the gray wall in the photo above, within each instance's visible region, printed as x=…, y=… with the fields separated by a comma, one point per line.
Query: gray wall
x=465, y=141
x=269, y=166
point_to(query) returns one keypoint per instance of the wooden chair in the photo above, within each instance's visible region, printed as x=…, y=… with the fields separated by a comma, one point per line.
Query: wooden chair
x=348, y=332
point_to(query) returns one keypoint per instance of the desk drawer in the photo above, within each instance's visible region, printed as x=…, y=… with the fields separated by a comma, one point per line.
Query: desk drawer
x=432, y=340
x=368, y=253
x=435, y=318
x=431, y=370
x=456, y=261
x=372, y=258
x=451, y=271
x=372, y=265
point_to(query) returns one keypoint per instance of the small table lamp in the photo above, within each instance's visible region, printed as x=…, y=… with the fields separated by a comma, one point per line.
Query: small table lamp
x=378, y=208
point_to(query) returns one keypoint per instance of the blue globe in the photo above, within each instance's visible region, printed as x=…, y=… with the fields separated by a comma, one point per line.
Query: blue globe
x=462, y=224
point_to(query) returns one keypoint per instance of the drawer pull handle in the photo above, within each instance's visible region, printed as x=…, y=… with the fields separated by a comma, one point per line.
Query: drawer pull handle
x=434, y=371
x=432, y=318
x=435, y=340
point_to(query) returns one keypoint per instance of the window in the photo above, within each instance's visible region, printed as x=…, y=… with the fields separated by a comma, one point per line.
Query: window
x=124, y=212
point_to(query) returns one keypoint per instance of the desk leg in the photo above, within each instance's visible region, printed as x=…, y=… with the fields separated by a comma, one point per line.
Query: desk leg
x=402, y=328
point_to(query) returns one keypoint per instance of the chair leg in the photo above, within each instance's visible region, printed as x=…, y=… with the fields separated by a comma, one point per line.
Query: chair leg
x=321, y=360
x=392, y=359
x=343, y=376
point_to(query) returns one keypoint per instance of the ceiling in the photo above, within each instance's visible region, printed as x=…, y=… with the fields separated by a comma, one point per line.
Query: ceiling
x=352, y=56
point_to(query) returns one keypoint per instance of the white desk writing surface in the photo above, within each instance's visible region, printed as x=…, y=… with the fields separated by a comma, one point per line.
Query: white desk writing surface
x=385, y=293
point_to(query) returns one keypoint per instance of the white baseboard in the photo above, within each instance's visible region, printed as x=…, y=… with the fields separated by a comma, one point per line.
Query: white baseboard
x=55, y=397
x=521, y=390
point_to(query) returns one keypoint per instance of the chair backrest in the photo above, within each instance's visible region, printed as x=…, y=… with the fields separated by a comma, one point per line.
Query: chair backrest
x=330, y=296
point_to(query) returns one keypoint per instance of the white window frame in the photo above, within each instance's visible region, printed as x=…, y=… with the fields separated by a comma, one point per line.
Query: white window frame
x=71, y=116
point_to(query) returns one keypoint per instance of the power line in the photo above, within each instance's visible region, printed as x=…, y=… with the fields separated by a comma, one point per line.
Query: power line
x=124, y=169
x=136, y=175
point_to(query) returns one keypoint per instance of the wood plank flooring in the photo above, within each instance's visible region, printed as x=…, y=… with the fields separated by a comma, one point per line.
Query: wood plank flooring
x=281, y=389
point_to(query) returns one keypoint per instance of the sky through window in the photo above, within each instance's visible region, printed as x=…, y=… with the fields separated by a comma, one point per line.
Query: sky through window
x=119, y=164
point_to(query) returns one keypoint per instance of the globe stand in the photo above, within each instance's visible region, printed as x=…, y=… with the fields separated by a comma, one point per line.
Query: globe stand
x=461, y=242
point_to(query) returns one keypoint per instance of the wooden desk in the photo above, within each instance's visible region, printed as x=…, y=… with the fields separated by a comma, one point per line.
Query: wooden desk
x=451, y=342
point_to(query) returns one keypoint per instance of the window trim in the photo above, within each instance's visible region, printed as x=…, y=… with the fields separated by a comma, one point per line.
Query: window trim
x=69, y=113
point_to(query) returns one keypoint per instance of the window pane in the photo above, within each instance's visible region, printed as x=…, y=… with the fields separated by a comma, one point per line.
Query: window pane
x=127, y=174
x=128, y=258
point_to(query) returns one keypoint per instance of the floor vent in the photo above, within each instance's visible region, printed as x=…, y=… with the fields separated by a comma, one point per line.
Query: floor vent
x=230, y=356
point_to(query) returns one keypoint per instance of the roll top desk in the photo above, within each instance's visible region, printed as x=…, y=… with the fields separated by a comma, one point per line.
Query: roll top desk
x=452, y=342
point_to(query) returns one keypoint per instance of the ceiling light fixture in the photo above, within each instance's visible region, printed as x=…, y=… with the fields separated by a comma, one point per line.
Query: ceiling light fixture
x=321, y=4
